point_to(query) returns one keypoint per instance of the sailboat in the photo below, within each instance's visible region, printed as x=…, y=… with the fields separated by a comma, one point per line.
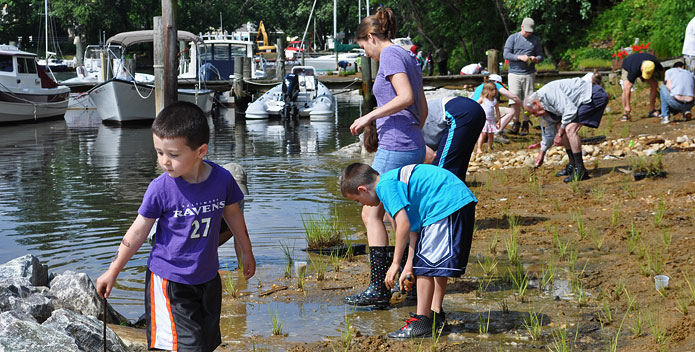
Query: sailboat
x=50, y=62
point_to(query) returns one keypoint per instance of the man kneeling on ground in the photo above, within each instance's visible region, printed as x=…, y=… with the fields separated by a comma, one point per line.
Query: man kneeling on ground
x=565, y=106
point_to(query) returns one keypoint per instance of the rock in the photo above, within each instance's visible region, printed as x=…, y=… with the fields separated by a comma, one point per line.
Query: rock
x=651, y=151
x=654, y=140
x=87, y=331
x=26, y=268
x=239, y=174
x=37, y=305
x=75, y=291
x=682, y=139
x=18, y=334
x=352, y=150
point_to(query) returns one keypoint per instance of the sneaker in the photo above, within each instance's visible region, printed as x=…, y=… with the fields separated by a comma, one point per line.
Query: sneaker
x=439, y=321
x=664, y=120
x=499, y=138
x=415, y=326
x=524, y=128
x=688, y=115
x=515, y=128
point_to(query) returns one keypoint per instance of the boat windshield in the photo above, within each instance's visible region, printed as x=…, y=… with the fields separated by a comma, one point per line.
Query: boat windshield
x=26, y=65
x=6, y=63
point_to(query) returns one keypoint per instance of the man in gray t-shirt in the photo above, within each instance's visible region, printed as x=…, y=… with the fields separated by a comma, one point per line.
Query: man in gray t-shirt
x=677, y=92
x=523, y=50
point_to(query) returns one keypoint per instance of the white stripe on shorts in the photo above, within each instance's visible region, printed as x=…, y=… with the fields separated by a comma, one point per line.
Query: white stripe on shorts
x=435, y=245
x=163, y=329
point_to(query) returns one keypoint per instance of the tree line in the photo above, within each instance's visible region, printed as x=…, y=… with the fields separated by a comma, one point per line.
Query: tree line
x=457, y=32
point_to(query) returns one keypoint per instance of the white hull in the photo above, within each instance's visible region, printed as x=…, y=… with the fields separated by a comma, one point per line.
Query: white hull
x=125, y=101
x=327, y=63
x=19, y=112
x=316, y=103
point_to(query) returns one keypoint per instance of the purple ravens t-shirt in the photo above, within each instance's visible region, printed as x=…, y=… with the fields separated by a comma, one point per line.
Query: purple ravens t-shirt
x=185, y=248
x=400, y=131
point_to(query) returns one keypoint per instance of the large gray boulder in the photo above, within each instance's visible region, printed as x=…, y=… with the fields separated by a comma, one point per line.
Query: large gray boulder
x=26, y=270
x=76, y=292
x=22, y=333
x=87, y=331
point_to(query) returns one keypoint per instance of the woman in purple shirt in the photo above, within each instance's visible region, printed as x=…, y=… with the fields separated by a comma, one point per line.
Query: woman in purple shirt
x=401, y=111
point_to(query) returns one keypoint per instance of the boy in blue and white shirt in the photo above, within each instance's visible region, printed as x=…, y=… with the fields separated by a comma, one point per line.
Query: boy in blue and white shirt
x=436, y=211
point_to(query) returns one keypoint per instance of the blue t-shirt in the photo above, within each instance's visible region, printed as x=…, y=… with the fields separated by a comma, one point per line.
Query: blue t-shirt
x=479, y=90
x=187, y=237
x=431, y=194
x=401, y=130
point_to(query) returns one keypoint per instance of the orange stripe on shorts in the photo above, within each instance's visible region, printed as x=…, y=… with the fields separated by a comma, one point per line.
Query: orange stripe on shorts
x=153, y=321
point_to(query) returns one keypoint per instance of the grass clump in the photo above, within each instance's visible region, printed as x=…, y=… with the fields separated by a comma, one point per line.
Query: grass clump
x=323, y=232
x=651, y=165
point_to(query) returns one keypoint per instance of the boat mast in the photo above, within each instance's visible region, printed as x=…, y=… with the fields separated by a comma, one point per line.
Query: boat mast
x=45, y=9
x=335, y=31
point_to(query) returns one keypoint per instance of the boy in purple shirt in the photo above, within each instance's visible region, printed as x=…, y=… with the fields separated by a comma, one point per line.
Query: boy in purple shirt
x=183, y=293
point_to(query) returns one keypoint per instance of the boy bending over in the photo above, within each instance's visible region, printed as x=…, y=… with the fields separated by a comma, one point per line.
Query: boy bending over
x=436, y=211
x=183, y=293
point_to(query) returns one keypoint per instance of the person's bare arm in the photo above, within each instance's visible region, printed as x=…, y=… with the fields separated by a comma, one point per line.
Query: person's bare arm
x=235, y=220
x=133, y=239
x=404, y=98
x=402, y=233
x=423, y=109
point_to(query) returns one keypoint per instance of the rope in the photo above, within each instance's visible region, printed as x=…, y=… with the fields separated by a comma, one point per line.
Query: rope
x=138, y=90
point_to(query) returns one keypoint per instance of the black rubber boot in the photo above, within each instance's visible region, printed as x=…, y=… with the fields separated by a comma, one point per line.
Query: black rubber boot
x=515, y=128
x=380, y=259
x=415, y=326
x=569, y=167
x=524, y=128
x=579, y=173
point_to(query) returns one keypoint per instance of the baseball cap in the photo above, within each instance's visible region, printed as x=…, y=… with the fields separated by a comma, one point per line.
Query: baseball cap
x=647, y=69
x=495, y=77
x=528, y=24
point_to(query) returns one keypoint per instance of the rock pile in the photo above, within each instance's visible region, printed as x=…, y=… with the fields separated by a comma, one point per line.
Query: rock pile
x=46, y=312
x=644, y=145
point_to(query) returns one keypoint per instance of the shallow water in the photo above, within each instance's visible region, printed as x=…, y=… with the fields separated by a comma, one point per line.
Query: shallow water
x=69, y=189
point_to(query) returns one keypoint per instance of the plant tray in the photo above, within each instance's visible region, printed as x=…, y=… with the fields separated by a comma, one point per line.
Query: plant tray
x=642, y=175
x=357, y=249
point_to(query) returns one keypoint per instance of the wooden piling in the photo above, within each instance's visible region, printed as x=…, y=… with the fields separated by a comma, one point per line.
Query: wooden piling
x=493, y=61
x=246, y=68
x=367, y=83
x=171, y=64
x=280, y=61
x=158, y=65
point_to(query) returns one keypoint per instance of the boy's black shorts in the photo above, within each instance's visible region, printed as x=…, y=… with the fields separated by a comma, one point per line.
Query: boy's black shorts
x=443, y=247
x=182, y=317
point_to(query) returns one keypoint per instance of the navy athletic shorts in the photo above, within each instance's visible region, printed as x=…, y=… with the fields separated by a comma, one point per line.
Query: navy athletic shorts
x=590, y=114
x=182, y=317
x=443, y=247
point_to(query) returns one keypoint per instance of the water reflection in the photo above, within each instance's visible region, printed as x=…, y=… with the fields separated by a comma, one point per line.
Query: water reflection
x=70, y=189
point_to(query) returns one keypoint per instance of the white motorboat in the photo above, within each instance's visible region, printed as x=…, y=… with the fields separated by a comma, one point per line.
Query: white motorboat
x=327, y=63
x=26, y=92
x=123, y=99
x=215, y=57
x=137, y=100
x=303, y=97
